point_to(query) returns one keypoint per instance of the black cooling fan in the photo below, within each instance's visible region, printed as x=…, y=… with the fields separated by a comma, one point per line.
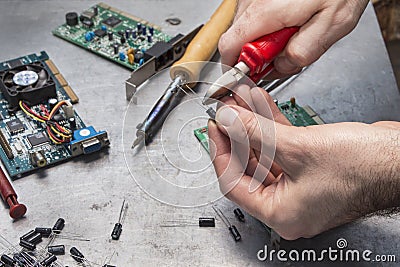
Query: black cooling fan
x=31, y=83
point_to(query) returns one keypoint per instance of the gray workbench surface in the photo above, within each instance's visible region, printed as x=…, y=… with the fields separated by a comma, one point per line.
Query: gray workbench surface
x=352, y=82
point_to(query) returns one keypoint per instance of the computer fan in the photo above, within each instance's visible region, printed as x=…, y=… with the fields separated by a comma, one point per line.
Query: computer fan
x=30, y=83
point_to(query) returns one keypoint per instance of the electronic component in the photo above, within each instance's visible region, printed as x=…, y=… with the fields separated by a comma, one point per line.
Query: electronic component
x=232, y=229
x=120, y=27
x=45, y=232
x=202, y=135
x=56, y=250
x=28, y=235
x=206, y=222
x=77, y=255
x=117, y=230
x=27, y=245
x=49, y=260
x=239, y=214
x=203, y=222
x=87, y=140
x=122, y=56
x=89, y=36
x=15, y=126
x=7, y=260
x=38, y=139
x=71, y=19
x=59, y=225
x=35, y=239
x=37, y=130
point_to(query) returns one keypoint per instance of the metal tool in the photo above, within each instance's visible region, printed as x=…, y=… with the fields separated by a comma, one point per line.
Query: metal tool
x=187, y=70
x=17, y=210
x=232, y=229
x=256, y=61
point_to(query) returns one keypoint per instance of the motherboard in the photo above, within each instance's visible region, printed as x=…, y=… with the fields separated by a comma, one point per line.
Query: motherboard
x=38, y=123
x=297, y=115
x=113, y=34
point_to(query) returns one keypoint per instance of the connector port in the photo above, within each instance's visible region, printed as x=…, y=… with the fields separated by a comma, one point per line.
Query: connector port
x=87, y=140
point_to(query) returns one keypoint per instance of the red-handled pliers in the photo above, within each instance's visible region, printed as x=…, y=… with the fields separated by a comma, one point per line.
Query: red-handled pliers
x=256, y=61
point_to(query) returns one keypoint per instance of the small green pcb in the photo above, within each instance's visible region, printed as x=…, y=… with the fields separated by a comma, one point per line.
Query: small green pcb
x=112, y=34
x=298, y=116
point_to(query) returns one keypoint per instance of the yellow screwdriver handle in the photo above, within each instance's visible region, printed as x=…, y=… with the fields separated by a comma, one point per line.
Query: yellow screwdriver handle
x=204, y=44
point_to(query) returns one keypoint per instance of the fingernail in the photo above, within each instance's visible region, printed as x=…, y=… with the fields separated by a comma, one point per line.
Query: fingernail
x=226, y=116
x=283, y=65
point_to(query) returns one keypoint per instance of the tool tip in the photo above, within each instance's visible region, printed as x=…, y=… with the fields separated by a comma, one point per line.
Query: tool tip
x=138, y=140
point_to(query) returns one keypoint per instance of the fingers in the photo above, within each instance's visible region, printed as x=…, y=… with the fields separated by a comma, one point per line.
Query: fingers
x=395, y=125
x=262, y=17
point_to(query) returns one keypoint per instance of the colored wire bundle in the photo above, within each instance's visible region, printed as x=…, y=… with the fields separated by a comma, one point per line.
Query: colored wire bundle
x=57, y=133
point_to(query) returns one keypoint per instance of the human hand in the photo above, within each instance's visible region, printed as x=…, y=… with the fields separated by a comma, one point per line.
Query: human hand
x=322, y=23
x=320, y=177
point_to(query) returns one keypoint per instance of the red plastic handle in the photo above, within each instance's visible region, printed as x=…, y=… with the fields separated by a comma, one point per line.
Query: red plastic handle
x=259, y=55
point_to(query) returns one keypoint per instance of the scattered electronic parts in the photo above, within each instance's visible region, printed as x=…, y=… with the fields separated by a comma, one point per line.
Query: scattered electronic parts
x=117, y=230
x=232, y=229
x=111, y=33
x=38, y=123
x=239, y=214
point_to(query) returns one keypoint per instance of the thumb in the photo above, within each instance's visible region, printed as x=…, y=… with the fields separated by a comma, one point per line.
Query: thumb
x=250, y=128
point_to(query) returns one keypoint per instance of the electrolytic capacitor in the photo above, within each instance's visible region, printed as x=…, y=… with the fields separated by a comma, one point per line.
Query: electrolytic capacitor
x=27, y=245
x=59, y=225
x=235, y=233
x=52, y=103
x=149, y=38
x=239, y=214
x=139, y=27
x=72, y=123
x=232, y=229
x=144, y=30
x=123, y=40
x=116, y=48
x=19, y=260
x=116, y=232
x=7, y=260
x=95, y=10
x=206, y=222
x=28, y=235
x=45, y=232
x=49, y=260
x=35, y=239
x=127, y=33
x=151, y=30
x=56, y=250
x=110, y=36
x=27, y=257
x=134, y=34
x=77, y=255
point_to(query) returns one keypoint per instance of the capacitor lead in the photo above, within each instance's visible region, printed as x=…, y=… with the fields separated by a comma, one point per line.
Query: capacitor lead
x=27, y=245
x=239, y=214
x=203, y=222
x=232, y=229
x=49, y=260
x=56, y=250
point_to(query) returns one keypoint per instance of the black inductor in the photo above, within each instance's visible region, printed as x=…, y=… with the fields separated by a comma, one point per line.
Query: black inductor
x=77, y=255
x=59, y=225
x=71, y=18
x=56, y=250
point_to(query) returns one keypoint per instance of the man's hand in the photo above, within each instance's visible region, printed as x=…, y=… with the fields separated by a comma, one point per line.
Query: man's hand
x=322, y=24
x=320, y=177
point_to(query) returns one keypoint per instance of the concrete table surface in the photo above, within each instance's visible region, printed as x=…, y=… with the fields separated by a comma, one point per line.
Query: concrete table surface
x=352, y=82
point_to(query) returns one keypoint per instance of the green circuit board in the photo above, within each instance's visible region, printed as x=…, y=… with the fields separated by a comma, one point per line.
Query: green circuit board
x=297, y=115
x=92, y=29
x=25, y=143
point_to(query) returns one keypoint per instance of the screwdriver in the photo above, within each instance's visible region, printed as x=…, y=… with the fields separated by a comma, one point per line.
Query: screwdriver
x=255, y=60
x=187, y=70
x=8, y=194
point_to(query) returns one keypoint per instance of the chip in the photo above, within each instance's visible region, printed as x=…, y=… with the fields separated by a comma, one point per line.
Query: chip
x=100, y=33
x=38, y=139
x=15, y=126
x=111, y=21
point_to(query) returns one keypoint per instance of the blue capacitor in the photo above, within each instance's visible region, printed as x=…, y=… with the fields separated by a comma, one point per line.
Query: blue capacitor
x=104, y=28
x=89, y=36
x=141, y=61
x=151, y=30
x=144, y=30
x=122, y=56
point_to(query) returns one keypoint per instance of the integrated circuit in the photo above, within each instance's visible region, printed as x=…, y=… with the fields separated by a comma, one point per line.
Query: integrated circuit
x=38, y=139
x=15, y=126
x=111, y=21
x=100, y=33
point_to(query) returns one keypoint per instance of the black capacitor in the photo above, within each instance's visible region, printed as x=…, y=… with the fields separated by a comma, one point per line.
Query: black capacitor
x=239, y=214
x=116, y=48
x=7, y=259
x=71, y=18
x=27, y=257
x=52, y=103
x=116, y=232
x=28, y=235
x=59, y=225
x=45, y=232
x=19, y=259
x=77, y=255
x=207, y=222
x=72, y=123
x=139, y=27
x=151, y=30
x=134, y=34
x=235, y=233
x=149, y=38
x=108, y=265
x=110, y=36
x=35, y=239
x=49, y=260
x=56, y=250
x=123, y=40
x=27, y=245
x=95, y=11
x=144, y=30
x=128, y=33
